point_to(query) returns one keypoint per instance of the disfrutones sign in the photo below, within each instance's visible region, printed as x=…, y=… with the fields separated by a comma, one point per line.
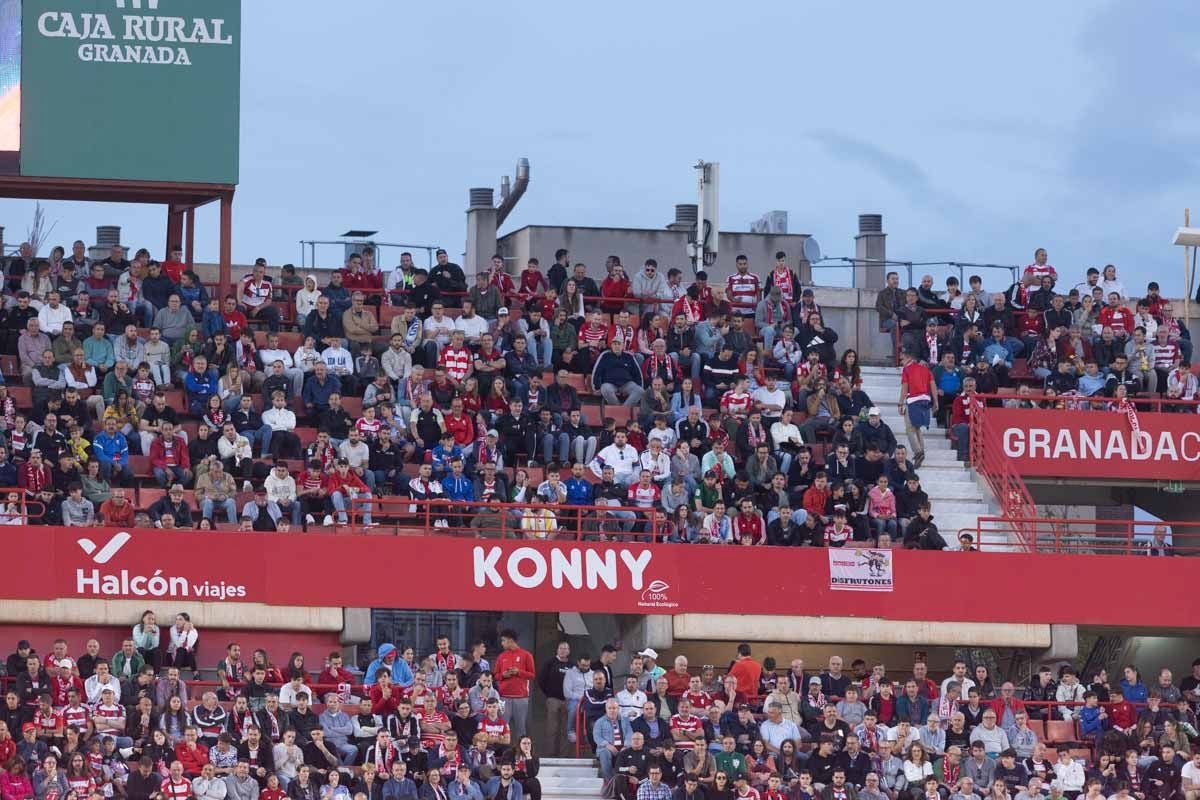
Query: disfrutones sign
x=129, y=89
x=1100, y=444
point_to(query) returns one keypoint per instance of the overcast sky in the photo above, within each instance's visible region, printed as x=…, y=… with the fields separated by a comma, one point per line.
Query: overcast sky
x=979, y=131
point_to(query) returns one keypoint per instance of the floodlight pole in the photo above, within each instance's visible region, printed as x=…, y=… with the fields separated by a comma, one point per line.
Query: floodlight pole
x=1187, y=275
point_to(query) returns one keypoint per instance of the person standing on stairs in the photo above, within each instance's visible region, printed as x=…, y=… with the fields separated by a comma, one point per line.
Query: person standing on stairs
x=550, y=681
x=918, y=402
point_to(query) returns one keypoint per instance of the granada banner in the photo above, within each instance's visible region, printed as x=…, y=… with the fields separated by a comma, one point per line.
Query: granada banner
x=446, y=572
x=1100, y=444
x=860, y=569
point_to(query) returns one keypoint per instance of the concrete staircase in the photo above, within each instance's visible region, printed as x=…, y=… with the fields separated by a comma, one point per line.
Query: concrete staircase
x=958, y=496
x=569, y=779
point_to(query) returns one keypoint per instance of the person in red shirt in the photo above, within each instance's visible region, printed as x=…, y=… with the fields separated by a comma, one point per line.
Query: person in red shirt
x=1117, y=317
x=515, y=669
x=385, y=696
x=346, y=488
x=235, y=321
x=494, y=727
x=174, y=267
x=678, y=679
x=62, y=683
x=918, y=401
x=623, y=329
x=177, y=786
x=747, y=671
x=34, y=475
x=748, y=524
x=689, y=305
x=816, y=497
x=501, y=279
x=616, y=286
x=456, y=359
x=190, y=753
x=533, y=282
x=687, y=729
x=699, y=699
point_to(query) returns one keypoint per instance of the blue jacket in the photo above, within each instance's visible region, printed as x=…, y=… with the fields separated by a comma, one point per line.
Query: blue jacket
x=194, y=294
x=602, y=731
x=212, y=323
x=200, y=387
x=111, y=449
x=615, y=369
x=491, y=790
x=579, y=491
x=401, y=673
x=460, y=488
x=317, y=395
x=904, y=709
x=1135, y=692
x=459, y=791
x=1090, y=723
x=399, y=790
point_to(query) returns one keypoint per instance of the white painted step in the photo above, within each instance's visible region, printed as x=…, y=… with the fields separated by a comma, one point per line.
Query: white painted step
x=572, y=785
x=568, y=762
x=581, y=771
x=571, y=791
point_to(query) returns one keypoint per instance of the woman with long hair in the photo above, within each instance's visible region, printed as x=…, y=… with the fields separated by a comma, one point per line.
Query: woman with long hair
x=572, y=301
x=848, y=368
x=680, y=528
x=525, y=768
x=181, y=649
x=160, y=751
x=79, y=775
x=983, y=682
x=174, y=721
x=497, y=400
x=721, y=789
x=303, y=787
x=786, y=763
x=971, y=314
x=261, y=659
x=333, y=788
x=917, y=767
x=756, y=763
x=296, y=666
x=14, y=783
x=146, y=638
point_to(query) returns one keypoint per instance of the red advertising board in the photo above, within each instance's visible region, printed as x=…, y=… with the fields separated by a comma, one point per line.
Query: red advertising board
x=1099, y=444
x=445, y=572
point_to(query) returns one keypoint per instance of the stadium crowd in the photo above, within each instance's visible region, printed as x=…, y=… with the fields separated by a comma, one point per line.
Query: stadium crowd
x=454, y=725
x=725, y=412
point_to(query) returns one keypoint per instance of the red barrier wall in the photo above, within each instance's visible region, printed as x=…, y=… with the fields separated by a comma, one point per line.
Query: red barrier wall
x=469, y=574
x=1099, y=444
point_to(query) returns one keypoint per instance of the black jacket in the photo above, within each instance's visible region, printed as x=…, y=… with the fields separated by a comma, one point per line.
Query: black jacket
x=922, y=534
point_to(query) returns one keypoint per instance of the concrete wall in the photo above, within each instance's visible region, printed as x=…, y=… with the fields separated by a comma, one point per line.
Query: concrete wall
x=634, y=245
x=204, y=615
x=861, y=630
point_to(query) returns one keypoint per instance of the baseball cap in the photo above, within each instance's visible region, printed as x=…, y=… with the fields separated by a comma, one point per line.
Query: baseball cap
x=502, y=311
x=260, y=492
x=28, y=726
x=441, y=251
x=873, y=411
x=66, y=662
x=814, y=680
x=24, y=645
x=649, y=652
x=493, y=432
x=177, y=487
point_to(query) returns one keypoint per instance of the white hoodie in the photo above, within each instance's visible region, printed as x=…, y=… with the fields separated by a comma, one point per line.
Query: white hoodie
x=306, y=299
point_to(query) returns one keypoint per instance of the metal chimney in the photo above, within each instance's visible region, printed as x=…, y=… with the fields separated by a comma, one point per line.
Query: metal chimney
x=685, y=217
x=482, y=198
x=509, y=200
x=870, y=251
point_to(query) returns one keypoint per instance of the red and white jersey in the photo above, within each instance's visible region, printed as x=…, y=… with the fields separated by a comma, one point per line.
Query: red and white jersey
x=111, y=713
x=644, y=496
x=368, y=428
x=430, y=739
x=835, y=536
x=492, y=727
x=919, y=380
x=659, y=467
x=593, y=335
x=1040, y=271
x=742, y=289
x=701, y=701
x=806, y=368
x=75, y=717
x=736, y=404
x=750, y=794
x=176, y=791
x=1164, y=355
x=255, y=294
x=81, y=785
x=690, y=725
x=750, y=527
x=456, y=361
x=47, y=722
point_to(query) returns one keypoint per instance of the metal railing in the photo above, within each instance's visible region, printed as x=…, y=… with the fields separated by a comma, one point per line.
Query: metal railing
x=1093, y=536
x=1077, y=402
x=478, y=519
x=987, y=456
